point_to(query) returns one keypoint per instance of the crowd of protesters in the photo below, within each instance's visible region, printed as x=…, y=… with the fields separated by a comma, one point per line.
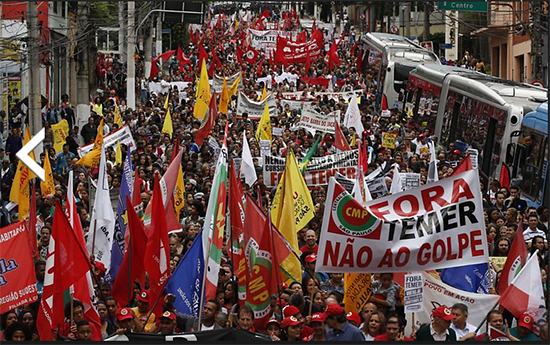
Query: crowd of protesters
x=312, y=310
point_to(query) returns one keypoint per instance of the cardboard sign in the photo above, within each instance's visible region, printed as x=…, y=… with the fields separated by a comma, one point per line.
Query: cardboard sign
x=414, y=292
x=408, y=231
x=345, y=182
x=388, y=140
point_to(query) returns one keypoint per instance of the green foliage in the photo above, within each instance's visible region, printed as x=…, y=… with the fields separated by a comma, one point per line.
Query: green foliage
x=103, y=13
x=180, y=36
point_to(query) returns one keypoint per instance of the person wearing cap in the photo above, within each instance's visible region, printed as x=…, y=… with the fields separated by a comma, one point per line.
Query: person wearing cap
x=317, y=323
x=273, y=329
x=142, y=311
x=353, y=318
x=524, y=329
x=125, y=321
x=167, y=323
x=439, y=329
x=292, y=327
x=341, y=329
x=421, y=145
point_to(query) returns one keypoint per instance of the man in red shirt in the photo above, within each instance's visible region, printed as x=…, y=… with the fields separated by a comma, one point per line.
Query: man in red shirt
x=311, y=242
x=394, y=330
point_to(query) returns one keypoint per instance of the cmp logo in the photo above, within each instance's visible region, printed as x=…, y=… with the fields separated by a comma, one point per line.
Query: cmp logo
x=353, y=219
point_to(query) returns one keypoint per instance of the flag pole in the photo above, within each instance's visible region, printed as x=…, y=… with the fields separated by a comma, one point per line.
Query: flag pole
x=203, y=286
x=151, y=311
x=129, y=264
x=277, y=270
x=93, y=238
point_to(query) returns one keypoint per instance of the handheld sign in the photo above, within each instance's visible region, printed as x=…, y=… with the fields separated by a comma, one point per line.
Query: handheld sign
x=414, y=292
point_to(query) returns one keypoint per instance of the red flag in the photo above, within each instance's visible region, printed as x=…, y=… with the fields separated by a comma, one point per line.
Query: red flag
x=182, y=58
x=464, y=166
x=259, y=70
x=176, y=148
x=208, y=122
x=504, y=176
x=359, y=61
x=136, y=192
x=157, y=254
x=164, y=56
x=236, y=247
x=123, y=285
x=202, y=56
x=301, y=37
x=384, y=102
x=333, y=59
x=251, y=55
x=239, y=54
x=515, y=260
x=308, y=62
x=340, y=141
x=316, y=81
x=33, y=241
x=265, y=14
x=313, y=27
x=65, y=265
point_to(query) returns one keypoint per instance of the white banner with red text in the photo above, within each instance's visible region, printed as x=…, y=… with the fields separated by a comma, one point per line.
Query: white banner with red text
x=435, y=226
x=255, y=109
x=124, y=135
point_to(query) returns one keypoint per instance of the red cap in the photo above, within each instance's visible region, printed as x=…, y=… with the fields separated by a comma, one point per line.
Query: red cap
x=311, y=258
x=168, y=315
x=124, y=314
x=526, y=321
x=272, y=321
x=353, y=316
x=334, y=310
x=281, y=302
x=422, y=135
x=290, y=311
x=457, y=152
x=291, y=321
x=443, y=312
x=143, y=296
x=100, y=267
x=318, y=317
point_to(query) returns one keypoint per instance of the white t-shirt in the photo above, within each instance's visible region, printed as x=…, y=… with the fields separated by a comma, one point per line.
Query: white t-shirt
x=205, y=328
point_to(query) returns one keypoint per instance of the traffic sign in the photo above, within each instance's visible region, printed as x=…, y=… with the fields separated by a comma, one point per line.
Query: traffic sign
x=467, y=6
x=445, y=46
x=394, y=29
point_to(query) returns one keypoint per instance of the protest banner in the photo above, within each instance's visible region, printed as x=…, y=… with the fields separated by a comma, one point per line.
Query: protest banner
x=266, y=40
x=357, y=291
x=435, y=226
x=265, y=148
x=388, y=140
x=295, y=104
x=289, y=52
x=414, y=292
x=345, y=182
x=217, y=84
x=60, y=132
x=318, y=171
x=378, y=186
x=17, y=276
x=437, y=293
x=255, y=109
x=164, y=87
x=313, y=121
x=124, y=135
x=409, y=181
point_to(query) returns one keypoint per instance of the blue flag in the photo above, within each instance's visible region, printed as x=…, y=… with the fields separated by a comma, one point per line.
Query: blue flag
x=121, y=221
x=472, y=278
x=187, y=279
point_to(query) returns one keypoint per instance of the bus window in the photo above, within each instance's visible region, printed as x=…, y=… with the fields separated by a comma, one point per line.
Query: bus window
x=446, y=133
x=532, y=179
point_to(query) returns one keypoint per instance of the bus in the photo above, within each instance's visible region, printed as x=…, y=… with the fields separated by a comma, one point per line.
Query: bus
x=390, y=59
x=465, y=107
x=530, y=166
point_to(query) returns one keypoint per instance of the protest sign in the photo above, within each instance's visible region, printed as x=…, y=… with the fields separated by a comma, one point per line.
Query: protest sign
x=255, y=109
x=318, y=171
x=410, y=181
x=313, y=121
x=217, y=84
x=498, y=262
x=265, y=148
x=435, y=226
x=388, y=140
x=378, y=186
x=345, y=182
x=17, y=276
x=473, y=157
x=124, y=135
x=437, y=293
x=357, y=291
x=213, y=144
x=60, y=132
x=414, y=292
x=276, y=131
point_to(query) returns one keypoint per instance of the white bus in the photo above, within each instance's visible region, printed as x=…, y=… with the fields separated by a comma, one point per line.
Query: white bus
x=390, y=59
x=474, y=108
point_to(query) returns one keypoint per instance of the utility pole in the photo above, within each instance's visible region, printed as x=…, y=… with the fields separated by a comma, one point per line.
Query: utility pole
x=121, y=31
x=149, y=48
x=426, y=33
x=158, y=35
x=33, y=46
x=131, y=73
x=408, y=19
x=82, y=74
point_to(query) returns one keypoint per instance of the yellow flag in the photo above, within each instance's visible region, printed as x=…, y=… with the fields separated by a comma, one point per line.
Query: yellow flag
x=235, y=86
x=118, y=118
x=118, y=154
x=202, y=94
x=236, y=24
x=264, y=127
x=357, y=290
x=224, y=98
x=47, y=187
x=60, y=132
x=167, y=126
x=20, y=188
x=91, y=159
x=291, y=210
x=166, y=101
x=264, y=94
x=179, y=193
x=352, y=141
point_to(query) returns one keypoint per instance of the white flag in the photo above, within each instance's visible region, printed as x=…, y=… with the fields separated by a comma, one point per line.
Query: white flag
x=247, y=166
x=353, y=117
x=396, y=181
x=361, y=191
x=102, y=224
x=432, y=168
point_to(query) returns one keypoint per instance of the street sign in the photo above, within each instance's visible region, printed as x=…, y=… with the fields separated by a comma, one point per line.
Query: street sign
x=394, y=29
x=467, y=6
x=445, y=46
x=428, y=45
x=166, y=31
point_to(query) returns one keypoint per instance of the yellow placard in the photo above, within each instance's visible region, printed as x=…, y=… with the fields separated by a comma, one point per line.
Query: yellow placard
x=388, y=140
x=498, y=262
x=60, y=133
x=358, y=290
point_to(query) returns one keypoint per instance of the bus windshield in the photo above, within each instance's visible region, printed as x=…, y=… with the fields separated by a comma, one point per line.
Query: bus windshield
x=533, y=163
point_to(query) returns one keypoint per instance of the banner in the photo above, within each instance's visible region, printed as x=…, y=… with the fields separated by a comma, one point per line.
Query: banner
x=60, y=133
x=255, y=109
x=295, y=104
x=124, y=135
x=17, y=276
x=346, y=96
x=164, y=87
x=357, y=291
x=435, y=226
x=217, y=83
x=318, y=171
x=290, y=52
x=313, y=121
x=437, y=293
x=266, y=40
x=223, y=334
